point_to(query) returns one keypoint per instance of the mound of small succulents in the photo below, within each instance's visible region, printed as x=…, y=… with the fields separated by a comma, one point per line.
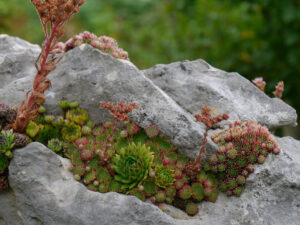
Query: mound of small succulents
x=240, y=147
x=103, y=43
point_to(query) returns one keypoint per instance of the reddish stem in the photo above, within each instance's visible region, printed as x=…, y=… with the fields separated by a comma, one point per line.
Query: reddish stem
x=203, y=146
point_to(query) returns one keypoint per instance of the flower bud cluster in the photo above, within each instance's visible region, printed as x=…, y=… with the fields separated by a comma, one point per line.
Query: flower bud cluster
x=279, y=89
x=56, y=11
x=206, y=117
x=103, y=43
x=260, y=83
x=120, y=110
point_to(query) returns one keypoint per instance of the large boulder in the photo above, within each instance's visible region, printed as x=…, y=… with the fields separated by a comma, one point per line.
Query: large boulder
x=193, y=84
x=44, y=192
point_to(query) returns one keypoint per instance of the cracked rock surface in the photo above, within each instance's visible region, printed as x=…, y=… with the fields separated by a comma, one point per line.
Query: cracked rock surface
x=193, y=84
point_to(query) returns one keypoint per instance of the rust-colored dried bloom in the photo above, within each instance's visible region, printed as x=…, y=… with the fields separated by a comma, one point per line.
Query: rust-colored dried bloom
x=279, y=89
x=103, y=43
x=206, y=117
x=120, y=110
x=53, y=14
x=260, y=83
x=194, y=167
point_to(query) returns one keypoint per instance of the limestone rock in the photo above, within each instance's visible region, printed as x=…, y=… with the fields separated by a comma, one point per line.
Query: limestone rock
x=193, y=84
x=17, y=59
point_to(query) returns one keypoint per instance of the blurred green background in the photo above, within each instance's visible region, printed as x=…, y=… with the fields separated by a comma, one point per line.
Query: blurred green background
x=252, y=37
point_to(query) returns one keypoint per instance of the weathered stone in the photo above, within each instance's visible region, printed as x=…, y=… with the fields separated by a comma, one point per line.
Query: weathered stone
x=193, y=84
x=17, y=59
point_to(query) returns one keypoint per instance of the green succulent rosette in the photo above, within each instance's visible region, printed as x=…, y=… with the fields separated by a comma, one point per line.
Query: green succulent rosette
x=71, y=132
x=77, y=115
x=164, y=176
x=132, y=165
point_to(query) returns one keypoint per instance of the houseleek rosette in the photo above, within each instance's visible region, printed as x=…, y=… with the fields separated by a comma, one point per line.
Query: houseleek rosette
x=132, y=165
x=164, y=176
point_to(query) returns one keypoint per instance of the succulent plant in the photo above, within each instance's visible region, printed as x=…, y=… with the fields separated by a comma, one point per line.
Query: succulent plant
x=240, y=146
x=150, y=188
x=160, y=196
x=71, y=132
x=103, y=43
x=197, y=191
x=138, y=193
x=55, y=145
x=164, y=177
x=49, y=118
x=64, y=104
x=152, y=131
x=32, y=129
x=185, y=192
x=191, y=209
x=77, y=115
x=6, y=143
x=132, y=165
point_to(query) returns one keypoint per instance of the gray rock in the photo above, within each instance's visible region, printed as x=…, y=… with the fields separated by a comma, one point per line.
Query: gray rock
x=193, y=84
x=89, y=76
x=8, y=209
x=46, y=193
x=17, y=59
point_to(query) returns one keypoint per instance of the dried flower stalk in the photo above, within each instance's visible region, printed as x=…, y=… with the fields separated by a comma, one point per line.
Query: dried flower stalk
x=53, y=14
x=194, y=167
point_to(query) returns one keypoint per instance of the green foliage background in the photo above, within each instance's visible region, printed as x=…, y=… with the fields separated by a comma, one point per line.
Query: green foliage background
x=254, y=38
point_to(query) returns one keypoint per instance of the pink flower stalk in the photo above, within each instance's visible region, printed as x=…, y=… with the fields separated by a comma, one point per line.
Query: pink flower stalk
x=260, y=83
x=53, y=14
x=279, y=89
x=120, y=110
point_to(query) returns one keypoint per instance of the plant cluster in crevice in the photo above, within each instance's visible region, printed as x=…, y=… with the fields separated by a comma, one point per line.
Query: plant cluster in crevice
x=122, y=157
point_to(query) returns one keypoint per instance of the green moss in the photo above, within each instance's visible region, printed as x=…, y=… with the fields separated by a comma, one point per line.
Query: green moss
x=48, y=133
x=4, y=162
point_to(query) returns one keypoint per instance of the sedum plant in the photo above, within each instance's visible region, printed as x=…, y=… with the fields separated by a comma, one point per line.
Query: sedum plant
x=132, y=165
